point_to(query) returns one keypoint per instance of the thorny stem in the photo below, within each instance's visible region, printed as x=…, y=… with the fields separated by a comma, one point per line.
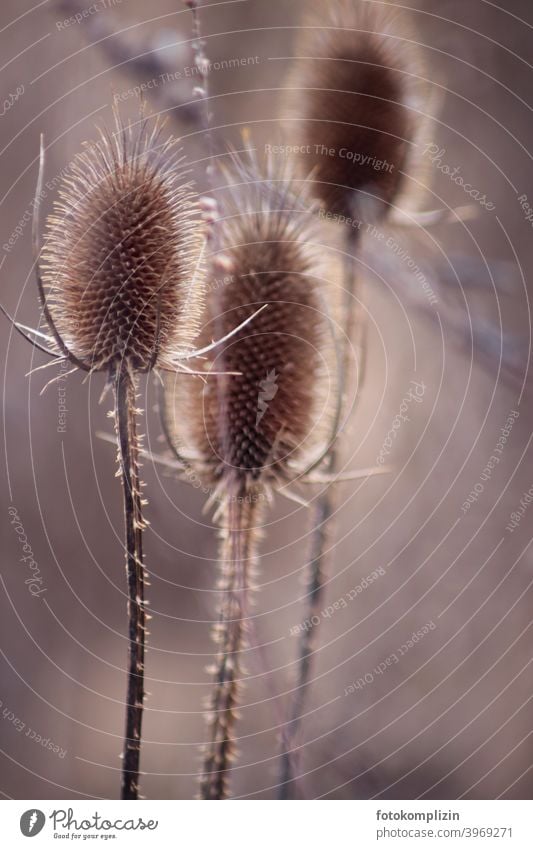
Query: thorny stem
x=236, y=556
x=322, y=524
x=129, y=461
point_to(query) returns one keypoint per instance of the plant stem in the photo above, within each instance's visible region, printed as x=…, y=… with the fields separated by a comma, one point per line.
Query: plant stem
x=321, y=522
x=236, y=556
x=129, y=461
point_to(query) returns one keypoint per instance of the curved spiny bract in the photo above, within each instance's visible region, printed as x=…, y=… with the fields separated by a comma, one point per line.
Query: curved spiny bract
x=245, y=432
x=121, y=251
x=353, y=96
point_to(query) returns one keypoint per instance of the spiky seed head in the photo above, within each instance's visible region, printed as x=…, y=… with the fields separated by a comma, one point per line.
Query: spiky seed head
x=352, y=93
x=120, y=261
x=253, y=425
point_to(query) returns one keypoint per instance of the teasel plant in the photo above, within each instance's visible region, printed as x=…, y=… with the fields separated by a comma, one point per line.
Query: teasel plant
x=265, y=421
x=352, y=91
x=144, y=56
x=121, y=288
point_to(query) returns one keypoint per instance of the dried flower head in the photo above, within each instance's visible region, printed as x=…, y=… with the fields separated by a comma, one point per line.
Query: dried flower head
x=256, y=424
x=351, y=105
x=120, y=259
x=255, y=415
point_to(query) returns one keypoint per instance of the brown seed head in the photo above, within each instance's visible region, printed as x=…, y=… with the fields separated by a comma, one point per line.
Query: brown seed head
x=121, y=253
x=351, y=93
x=252, y=426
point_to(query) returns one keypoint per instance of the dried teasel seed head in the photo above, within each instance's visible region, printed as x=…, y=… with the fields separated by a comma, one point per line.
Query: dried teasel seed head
x=253, y=426
x=352, y=94
x=120, y=262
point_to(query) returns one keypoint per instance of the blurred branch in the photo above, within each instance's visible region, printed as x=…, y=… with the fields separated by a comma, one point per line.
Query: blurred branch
x=469, y=332
x=156, y=61
x=477, y=274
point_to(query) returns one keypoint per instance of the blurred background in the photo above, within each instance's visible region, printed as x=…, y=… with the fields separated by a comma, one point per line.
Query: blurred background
x=449, y=716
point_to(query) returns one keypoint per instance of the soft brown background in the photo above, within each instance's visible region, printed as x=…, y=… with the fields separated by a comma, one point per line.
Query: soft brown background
x=453, y=717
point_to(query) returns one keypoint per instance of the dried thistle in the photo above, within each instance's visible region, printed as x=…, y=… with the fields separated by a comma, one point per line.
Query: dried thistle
x=249, y=432
x=237, y=423
x=353, y=119
x=120, y=273
x=352, y=96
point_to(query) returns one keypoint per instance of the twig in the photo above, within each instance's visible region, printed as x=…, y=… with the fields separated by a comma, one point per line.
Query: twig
x=201, y=91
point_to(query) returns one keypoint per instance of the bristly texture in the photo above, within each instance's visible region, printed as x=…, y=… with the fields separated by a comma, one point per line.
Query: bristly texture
x=121, y=251
x=251, y=429
x=352, y=105
x=254, y=427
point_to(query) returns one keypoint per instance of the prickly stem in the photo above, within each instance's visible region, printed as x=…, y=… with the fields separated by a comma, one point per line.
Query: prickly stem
x=237, y=554
x=129, y=463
